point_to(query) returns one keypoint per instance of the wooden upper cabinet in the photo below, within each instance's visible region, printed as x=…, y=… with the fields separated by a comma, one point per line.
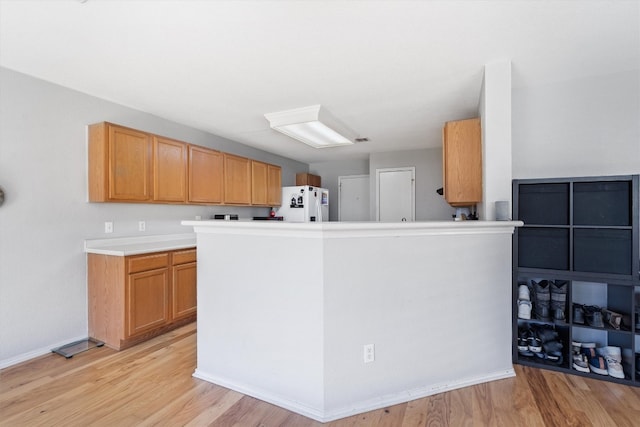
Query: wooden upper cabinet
x=274, y=185
x=205, y=175
x=169, y=170
x=126, y=165
x=308, y=179
x=266, y=184
x=462, y=162
x=237, y=180
x=259, y=185
x=119, y=164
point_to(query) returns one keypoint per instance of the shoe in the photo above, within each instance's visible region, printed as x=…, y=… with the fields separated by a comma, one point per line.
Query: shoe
x=546, y=333
x=578, y=313
x=558, y=299
x=613, y=357
x=598, y=365
x=593, y=316
x=523, y=343
x=637, y=365
x=612, y=318
x=553, y=351
x=580, y=362
x=535, y=343
x=524, y=309
x=542, y=300
x=523, y=293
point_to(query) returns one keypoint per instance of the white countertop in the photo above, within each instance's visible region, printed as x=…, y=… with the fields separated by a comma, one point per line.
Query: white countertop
x=338, y=229
x=123, y=246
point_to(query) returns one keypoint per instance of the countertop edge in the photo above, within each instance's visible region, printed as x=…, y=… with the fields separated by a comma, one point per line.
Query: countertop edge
x=124, y=246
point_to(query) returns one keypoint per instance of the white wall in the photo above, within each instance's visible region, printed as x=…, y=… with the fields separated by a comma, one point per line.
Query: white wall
x=428, y=163
x=495, y=112
x=46, y=218
x=585, y=127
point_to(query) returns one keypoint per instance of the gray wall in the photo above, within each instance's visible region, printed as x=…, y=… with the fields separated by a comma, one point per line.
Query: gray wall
x=330, y=171
x=46, y=216
x=430, y=206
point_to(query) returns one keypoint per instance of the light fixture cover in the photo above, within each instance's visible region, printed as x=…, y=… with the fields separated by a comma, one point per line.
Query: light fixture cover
x=312, y=125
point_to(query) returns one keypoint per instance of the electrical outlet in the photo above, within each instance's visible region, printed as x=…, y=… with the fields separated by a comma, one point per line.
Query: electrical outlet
x=108, y=227
x=369, y=353
x=198, y=217
x=142, y=226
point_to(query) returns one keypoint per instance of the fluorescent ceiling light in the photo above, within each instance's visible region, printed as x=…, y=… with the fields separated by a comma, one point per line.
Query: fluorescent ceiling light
x=312, y=125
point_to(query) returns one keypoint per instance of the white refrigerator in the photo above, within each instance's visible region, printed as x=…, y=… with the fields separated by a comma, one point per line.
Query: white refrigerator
x=304, y=203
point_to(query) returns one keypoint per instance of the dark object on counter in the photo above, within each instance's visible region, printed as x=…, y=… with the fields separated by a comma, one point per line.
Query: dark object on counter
x=268, y=218
x=440, y=191
x=231, y=217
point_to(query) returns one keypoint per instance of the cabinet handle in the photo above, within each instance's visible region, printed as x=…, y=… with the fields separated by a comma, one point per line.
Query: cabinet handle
x=1, y=196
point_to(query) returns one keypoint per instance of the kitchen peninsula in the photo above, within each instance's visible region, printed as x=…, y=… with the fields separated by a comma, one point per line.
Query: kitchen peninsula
x=286, y=311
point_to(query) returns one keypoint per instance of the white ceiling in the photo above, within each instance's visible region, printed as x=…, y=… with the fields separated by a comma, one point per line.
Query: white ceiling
x=393, y=71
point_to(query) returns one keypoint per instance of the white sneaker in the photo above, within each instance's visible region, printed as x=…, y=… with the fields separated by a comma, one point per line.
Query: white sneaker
x=613, y=356
x=523, y=293
x=524, y=309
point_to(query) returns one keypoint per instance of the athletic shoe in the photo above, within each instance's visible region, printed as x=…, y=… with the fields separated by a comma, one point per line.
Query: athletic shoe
x=524, y=293
x=535, y=343
x=524, y=309
x=598, y=365
x=613, y=357
x=523, y=343
x=580, y=362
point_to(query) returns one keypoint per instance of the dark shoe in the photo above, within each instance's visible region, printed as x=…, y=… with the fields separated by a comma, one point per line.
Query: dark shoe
x=578, y=313
x=542, y=300
x=558, y=299
x=593, y=315
x=580, y=361
x=523, y=343
x=547, y=334
x=535, y=343
x=637, y=365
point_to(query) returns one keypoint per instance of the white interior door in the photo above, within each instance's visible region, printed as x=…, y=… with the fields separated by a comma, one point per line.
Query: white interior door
x=353, y=198
x=395, y=194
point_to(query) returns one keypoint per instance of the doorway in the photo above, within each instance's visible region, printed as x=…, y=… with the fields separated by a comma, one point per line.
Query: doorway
x=353, y=198
x=395, y=194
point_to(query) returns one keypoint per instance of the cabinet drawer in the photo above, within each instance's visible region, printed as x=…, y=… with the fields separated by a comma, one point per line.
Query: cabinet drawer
x=182, y=257
x=148, y=262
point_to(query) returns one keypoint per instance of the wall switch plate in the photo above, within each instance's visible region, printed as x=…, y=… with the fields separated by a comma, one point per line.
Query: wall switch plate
x=369, y=353
x=142, y=226
x=108, y=227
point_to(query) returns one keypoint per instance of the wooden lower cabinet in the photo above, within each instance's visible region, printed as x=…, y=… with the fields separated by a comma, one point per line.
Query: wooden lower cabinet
x=134, y=298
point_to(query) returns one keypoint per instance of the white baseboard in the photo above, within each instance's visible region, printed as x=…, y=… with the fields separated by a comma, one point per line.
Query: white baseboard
x=352, y=408
x=36, y=353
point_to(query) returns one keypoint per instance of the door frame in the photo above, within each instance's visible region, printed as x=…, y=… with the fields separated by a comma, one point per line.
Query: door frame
x=411, y=169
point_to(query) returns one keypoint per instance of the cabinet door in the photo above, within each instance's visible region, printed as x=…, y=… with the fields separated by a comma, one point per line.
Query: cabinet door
x=184, y=290
x=169, y=170
x=129, y=164
x=274, y=185
x=147, y=301
x=259, y=185
x=237, y=180
x=205, y=175
x=462, y=162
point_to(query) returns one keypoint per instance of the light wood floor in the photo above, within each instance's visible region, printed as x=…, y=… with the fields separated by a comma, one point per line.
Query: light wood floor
x=151, y=384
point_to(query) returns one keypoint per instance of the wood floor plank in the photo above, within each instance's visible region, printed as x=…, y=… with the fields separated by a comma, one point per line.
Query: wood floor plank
x=151, y=384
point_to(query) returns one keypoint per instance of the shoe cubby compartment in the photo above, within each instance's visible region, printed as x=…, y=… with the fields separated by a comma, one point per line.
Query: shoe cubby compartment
x=602, y=250
x=585, y=232
x=544, y=203
x=555, y=242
